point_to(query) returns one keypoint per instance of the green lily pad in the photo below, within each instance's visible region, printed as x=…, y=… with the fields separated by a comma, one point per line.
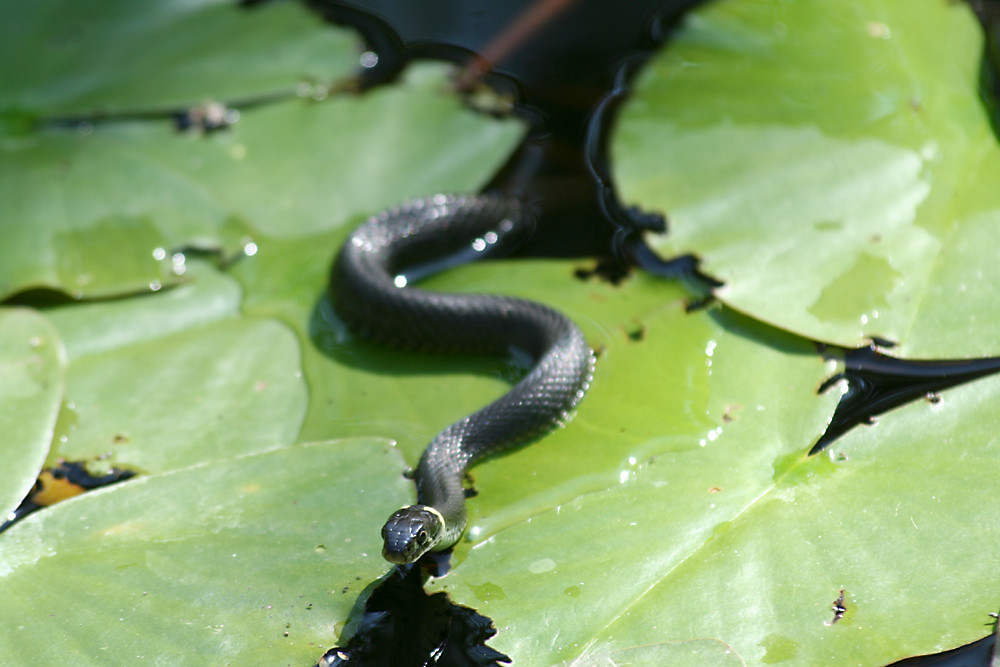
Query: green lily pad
x=287, y=169
x=692, y=436
x=679, y=506
x=838, y=198
x=165, y=380
x=118, y=57
x=205, y=296
x=32, y=366
x=256, y=559
x=99, y=210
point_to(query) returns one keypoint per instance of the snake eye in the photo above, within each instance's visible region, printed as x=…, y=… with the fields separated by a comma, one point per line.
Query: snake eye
x=422, y=537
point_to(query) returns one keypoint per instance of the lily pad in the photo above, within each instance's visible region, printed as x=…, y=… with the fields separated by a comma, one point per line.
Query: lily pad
x=164, y=382
x=824, y=194
x=32, y=366
x=204, y=296
x=116, y=57
x=254, y=559
x=288, y=169
x=691, y=440
x=99, y=210
x=679, y=506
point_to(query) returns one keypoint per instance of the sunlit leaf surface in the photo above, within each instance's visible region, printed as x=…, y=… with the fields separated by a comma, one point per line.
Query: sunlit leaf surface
x=832, y=163
x=255, y=559
x=32, y=368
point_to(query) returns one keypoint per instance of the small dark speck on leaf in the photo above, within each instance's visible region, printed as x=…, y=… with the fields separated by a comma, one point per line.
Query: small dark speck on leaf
x=637, y=332
x=731, y=413
x=838, y=607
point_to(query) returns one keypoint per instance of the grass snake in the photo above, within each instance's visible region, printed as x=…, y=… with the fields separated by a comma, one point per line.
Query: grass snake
x=370, y=293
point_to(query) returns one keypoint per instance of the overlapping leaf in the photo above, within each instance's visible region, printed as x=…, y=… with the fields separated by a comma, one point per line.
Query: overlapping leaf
x=256, y=558
x=59, y=60
x=32, y=367
x=833, y=165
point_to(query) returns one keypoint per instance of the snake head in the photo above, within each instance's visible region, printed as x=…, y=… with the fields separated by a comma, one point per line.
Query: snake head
x=411, y=532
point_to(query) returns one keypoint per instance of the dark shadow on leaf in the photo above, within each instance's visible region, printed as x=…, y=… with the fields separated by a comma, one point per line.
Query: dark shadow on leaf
x=395, y=623
x=980, y=653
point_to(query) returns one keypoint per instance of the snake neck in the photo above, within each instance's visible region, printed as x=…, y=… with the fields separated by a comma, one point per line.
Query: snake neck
x=439, y=484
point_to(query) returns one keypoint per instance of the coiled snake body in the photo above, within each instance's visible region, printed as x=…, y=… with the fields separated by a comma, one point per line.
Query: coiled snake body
x=368, y=293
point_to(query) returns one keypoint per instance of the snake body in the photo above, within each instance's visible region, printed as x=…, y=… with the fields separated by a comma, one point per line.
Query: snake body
x=368, y=294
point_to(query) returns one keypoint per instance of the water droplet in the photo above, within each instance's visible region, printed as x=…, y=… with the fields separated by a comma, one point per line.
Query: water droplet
x=542, y=565
x=488, y=592
x=878, y=30
x=368, y=59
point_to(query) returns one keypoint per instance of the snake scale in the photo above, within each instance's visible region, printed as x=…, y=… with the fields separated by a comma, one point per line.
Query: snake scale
x=370, y=294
